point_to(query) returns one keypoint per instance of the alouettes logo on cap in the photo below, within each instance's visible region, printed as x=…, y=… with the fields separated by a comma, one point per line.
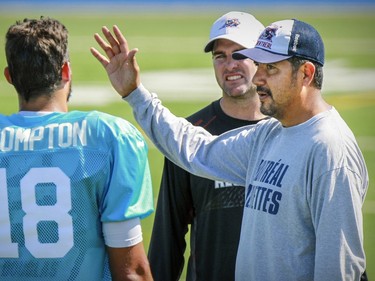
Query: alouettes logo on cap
x=265, y=39
x=231, y=23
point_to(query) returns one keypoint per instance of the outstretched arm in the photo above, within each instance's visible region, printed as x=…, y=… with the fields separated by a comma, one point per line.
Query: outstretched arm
x=119, y=62
x=192, y=148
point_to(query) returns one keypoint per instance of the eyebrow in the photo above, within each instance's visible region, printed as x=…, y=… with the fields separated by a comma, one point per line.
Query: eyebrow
x=217, y=52
x=222, y=52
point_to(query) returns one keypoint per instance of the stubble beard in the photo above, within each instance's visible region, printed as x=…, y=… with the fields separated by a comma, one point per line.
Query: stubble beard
x=269, y=110
x=240, y=93
x=267, y=107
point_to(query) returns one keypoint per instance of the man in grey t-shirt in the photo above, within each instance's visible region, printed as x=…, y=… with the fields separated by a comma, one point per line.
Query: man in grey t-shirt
x=304, y=174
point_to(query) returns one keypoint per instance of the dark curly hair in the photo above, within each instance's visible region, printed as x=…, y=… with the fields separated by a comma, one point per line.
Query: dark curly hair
x=36, y=50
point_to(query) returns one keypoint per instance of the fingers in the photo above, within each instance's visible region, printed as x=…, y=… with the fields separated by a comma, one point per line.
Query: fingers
x=114, y=43
x=119, y=63
x=102, y=59
x=131, y=56
x=108, y=49
x=121, y=40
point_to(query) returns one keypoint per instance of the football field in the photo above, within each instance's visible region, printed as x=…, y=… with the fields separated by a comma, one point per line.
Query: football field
x=174, y=65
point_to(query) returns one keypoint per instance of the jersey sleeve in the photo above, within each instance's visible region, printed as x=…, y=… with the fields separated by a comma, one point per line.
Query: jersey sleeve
x=129, y=189
x=173, y=214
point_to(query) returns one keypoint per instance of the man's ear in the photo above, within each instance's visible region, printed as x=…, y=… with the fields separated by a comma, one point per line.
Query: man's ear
x=7, y=75
x=66, y=72
x=309, y=72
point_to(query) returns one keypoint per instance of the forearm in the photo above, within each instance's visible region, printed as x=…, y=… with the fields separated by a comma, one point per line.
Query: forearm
x=129, y=264
x=165, y=130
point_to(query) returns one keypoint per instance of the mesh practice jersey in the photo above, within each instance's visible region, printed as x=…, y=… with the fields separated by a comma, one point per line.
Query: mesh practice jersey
x=61, y=176
x=213, y=208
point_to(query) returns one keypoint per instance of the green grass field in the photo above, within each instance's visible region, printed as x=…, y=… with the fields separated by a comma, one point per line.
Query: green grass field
x=175, y=40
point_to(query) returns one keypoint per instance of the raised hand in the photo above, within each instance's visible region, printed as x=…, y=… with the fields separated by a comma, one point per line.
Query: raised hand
x=120, y=63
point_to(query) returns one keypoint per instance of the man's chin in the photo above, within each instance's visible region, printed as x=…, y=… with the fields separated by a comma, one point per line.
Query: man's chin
x=237, y=92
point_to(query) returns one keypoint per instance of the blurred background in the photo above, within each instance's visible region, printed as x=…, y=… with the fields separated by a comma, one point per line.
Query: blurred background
x=170, y=36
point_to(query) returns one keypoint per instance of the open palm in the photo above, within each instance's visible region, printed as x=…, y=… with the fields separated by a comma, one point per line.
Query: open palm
x=120, y=63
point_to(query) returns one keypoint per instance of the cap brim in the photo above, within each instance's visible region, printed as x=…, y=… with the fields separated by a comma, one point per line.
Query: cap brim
x=209, y=46
x=231, y=37
x=259, y=55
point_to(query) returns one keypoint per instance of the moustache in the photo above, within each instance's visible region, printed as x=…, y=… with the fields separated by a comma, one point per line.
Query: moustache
x=264, y=90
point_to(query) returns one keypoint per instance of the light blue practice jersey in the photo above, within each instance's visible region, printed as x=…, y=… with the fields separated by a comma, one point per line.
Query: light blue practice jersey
x=61, y=176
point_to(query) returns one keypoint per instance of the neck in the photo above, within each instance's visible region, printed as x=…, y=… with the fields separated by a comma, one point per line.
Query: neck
x=46, y=108
x=56, y=102
x=304, y=109
x=243, y=109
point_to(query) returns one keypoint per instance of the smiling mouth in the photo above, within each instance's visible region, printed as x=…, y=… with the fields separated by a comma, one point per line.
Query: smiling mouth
x=234, y=77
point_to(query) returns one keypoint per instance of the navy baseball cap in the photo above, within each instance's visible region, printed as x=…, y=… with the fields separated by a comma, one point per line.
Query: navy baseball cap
x=284, y=39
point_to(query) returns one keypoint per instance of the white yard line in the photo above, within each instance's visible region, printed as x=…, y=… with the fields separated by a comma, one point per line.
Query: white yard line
x=200, y=84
